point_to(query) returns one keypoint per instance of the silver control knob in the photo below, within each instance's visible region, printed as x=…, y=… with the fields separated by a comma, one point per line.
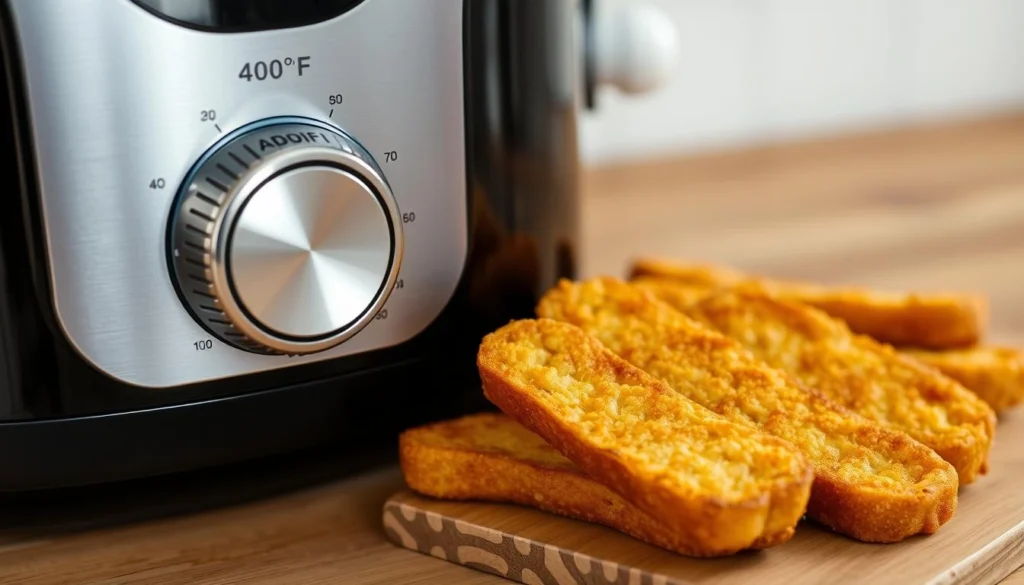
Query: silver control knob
x=285, y=239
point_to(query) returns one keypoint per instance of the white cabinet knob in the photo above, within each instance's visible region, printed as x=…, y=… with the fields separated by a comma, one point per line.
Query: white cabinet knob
x=634, y=45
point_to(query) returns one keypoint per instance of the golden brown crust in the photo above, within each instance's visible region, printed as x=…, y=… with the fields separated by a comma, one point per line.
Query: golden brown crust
x=706, y=275
x=871, y=483
x=929, y=321
x=708, y=480
x=676, y=293
x=857, y=372
x=934, y=321
x=862, y=374
x=995, y=374
x=490, y=457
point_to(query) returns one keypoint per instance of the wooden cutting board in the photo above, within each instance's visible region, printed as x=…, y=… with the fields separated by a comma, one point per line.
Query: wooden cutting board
x=982, y=544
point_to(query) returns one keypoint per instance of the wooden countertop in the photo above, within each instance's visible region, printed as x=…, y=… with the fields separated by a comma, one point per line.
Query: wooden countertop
x=935, y=207
x=938, y=207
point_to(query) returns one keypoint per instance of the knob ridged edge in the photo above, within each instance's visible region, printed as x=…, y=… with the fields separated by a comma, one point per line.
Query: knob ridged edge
x=194, y=247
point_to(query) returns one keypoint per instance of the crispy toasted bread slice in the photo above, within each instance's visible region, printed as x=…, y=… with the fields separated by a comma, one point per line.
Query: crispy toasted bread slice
x=872, y=483
x=678, y=293
x=929, y=321
x=995, y=374
x=719, y=486
x=855, y=371
x=490, y=457
x=702, y=275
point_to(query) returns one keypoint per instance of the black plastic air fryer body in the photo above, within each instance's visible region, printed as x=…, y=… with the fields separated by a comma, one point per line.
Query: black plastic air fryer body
x=156, y=152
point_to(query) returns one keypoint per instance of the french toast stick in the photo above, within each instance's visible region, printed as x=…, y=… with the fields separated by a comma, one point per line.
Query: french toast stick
x=678, y=293
x=928, y=321
x=995, y=374
x=717, y=485
x=692, y=273
x=490, y=457
x=855, y=371
x=871, y=483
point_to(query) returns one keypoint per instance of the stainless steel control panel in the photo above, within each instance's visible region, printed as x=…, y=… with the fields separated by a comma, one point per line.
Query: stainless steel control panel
x=123, y=105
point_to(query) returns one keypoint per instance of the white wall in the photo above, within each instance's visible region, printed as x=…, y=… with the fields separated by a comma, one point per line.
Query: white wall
x=756, y=71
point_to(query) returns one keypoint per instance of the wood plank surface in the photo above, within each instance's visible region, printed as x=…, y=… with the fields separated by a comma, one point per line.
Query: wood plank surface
x=1016, y=578
x=936, y=207
x=982, y=544
x=327, y=534
x=932, y=207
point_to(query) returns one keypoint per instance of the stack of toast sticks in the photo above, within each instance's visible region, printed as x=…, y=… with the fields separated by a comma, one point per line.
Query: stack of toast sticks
x=707, y=411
